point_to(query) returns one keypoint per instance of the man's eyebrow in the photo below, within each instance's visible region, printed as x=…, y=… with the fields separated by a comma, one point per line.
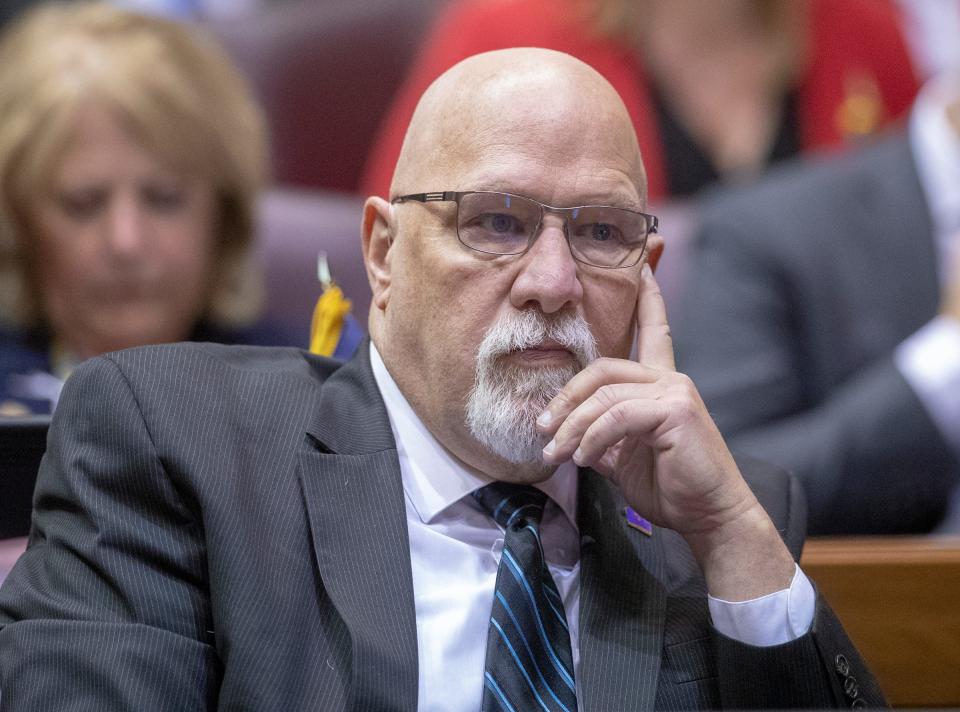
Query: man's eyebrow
x=620, y=200
x=614, y=200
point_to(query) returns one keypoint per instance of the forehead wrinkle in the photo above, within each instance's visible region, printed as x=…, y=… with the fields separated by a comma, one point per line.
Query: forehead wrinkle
x=605, y=187
x=576, y=173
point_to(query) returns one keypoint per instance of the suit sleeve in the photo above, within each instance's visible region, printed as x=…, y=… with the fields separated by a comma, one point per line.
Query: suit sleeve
x=108, y=608
x=819, y=669
x=858, y=448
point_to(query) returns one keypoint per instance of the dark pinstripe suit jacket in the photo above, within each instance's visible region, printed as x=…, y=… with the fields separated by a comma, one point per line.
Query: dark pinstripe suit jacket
x=224, y=526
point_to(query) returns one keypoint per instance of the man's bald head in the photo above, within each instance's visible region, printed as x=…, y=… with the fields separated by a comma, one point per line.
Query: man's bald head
x=527, y=122
x=546, y=100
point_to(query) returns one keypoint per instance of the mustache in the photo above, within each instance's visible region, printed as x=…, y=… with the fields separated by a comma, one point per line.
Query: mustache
x=529, y=328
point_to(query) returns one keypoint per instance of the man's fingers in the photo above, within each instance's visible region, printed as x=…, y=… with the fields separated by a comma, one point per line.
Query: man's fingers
x=583, y=385
x=654, y=343
x=571, y=430
x=654, y=350
x=634, y=418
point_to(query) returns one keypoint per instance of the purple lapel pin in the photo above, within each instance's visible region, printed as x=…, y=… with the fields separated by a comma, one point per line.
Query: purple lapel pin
x=637, y=522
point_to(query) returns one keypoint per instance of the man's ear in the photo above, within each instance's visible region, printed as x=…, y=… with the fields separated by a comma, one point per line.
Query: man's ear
x=377, y=234
x=654, y=249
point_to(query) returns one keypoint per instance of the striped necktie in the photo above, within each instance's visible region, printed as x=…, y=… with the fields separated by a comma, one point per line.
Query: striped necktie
x=529, y=665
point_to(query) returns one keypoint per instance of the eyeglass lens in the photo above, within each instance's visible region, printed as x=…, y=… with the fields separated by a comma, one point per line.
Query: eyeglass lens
x=503, y=224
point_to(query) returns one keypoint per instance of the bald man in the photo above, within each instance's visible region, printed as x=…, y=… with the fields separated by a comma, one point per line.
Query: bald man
x=489, y=507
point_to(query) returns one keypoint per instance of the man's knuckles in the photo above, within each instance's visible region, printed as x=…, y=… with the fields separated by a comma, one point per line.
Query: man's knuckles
x=608, y=396
x=685, y=402
x=658, y=331
x=620, y=416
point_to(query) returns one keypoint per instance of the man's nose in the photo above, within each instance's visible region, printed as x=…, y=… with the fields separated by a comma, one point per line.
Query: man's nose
x=548, y=274
x=126, y=226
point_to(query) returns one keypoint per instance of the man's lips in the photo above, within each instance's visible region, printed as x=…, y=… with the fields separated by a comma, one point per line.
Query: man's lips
x=545, y=353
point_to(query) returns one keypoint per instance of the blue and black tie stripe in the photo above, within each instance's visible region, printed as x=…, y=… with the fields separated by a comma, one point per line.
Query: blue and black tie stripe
x=529, y=665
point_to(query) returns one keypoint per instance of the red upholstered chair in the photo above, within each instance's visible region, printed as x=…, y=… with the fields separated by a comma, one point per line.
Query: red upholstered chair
x=325, y=71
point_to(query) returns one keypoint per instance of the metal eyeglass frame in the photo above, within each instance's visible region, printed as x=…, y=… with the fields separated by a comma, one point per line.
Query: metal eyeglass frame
x=455, y=196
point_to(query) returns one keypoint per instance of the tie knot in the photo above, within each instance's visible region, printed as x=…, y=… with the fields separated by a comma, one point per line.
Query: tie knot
x=510, y=503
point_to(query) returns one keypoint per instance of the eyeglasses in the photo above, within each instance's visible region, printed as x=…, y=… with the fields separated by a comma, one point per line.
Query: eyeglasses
x=507, y=224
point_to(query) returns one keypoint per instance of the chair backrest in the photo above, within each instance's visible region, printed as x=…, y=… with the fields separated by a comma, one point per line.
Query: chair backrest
x=325, y=71
x=22, y=444
x=293, y=226
x=898, y=600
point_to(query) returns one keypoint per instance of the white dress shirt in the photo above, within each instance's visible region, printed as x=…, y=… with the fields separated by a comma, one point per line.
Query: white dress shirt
x=455, y=551
x=930, y=359
x=932, y=29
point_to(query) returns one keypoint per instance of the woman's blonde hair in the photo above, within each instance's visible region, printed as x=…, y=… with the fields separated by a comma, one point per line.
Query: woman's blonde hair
x=178, y=94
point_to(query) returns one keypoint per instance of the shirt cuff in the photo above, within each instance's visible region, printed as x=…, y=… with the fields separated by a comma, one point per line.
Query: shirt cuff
x=774, y=619
x=930, y=362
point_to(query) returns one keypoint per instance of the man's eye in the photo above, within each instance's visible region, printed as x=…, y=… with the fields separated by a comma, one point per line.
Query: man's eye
x=601, y=232
x=502, y=223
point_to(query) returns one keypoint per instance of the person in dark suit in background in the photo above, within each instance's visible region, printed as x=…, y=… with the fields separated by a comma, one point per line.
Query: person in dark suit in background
x=131, y=156
x=266, y=529
x=823, y=325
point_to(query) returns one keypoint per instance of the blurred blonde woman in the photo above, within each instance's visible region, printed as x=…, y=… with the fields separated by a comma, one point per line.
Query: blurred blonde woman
x=131, y=153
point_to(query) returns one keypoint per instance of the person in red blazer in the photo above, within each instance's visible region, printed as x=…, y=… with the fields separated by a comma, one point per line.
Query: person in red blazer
x=825, y=73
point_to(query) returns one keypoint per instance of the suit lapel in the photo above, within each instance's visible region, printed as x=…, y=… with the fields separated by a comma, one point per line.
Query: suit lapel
x=622, y=603
x=351, y=484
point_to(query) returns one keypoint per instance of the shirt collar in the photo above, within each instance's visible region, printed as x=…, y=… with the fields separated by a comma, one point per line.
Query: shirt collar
x=433, y=478
x=936, y=150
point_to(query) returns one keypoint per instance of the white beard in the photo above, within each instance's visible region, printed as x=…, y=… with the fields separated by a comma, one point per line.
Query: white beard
x=506, y=400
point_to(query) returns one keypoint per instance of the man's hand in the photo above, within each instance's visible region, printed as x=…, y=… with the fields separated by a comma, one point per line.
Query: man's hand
x=644, y=426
